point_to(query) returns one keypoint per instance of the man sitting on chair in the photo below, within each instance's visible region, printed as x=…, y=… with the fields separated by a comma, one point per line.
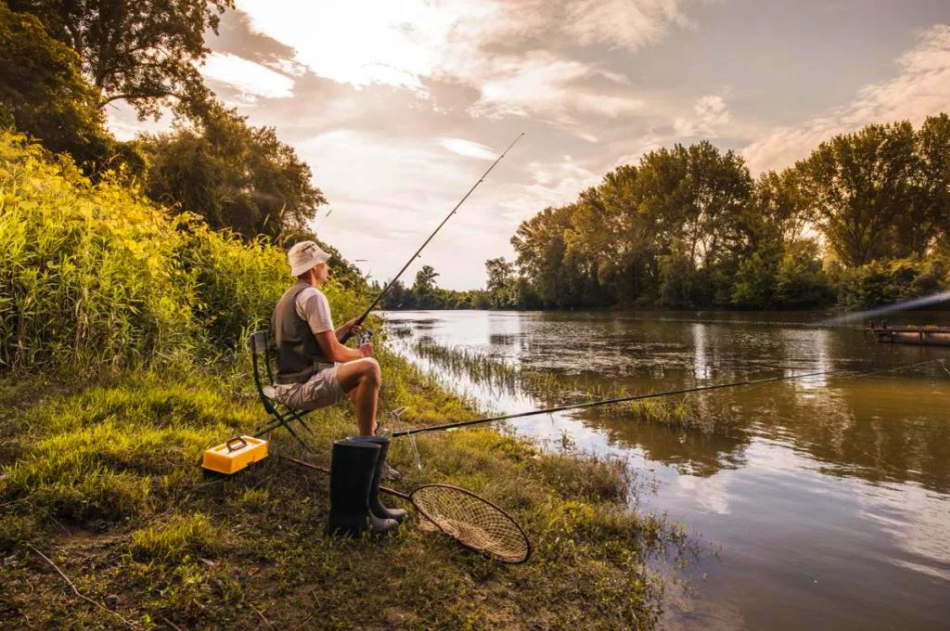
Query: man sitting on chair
x=314, y=369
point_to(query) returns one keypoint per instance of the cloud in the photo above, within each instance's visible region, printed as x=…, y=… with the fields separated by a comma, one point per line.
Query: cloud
x=710, y=115
x=554, y=184
x=543, y=84
x=250, y=79
x=467, y=148
x=410, y=43
x=642, y=146
x=630, y=24
x=921, y=88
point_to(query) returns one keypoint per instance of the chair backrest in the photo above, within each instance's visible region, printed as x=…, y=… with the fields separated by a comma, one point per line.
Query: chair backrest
x=258, y=342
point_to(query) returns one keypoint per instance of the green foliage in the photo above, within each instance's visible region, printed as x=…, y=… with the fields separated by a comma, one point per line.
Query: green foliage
x=93, y=276
x=425, y=279
x=235, y=176
x=755, y=284
x=688, y=228
x=678, y=278
x=801, y=282
x=428, y=296
x=43, y=93
x=888, y=282
x=140, y=51
x=861, y=187
x=88, y=273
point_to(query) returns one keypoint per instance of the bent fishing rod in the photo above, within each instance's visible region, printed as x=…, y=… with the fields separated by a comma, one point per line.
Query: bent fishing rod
x=390, y=284
x=653, y=395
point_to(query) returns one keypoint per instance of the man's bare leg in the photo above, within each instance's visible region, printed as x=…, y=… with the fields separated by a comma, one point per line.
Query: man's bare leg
x=360, y=379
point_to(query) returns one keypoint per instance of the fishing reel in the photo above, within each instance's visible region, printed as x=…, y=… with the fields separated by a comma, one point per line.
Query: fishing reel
x=364, y=336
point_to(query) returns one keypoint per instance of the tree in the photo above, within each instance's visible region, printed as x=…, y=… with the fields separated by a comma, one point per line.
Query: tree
x=140, y=51
x=425, y=279
x=933, y=188
x=861, y=187
x=42, y=91
x=778, y=201
x=500, y=274
x=234, y=175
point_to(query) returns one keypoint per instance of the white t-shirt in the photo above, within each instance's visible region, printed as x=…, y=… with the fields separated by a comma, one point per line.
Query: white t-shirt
x=313, y=307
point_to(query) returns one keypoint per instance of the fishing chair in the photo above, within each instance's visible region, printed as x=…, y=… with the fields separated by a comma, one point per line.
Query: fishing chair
x=281, y=414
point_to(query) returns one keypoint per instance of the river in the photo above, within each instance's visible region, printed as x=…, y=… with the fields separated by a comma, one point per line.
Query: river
x=829, y=508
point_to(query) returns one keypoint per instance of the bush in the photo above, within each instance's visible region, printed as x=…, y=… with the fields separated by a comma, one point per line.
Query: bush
x=801, y=282
x=754, y=285
x=888, y=282
x=88, y=274
x=95, y=276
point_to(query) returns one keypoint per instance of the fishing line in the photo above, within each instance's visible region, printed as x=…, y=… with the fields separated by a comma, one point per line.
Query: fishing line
x=655, y=395
x=390, y=284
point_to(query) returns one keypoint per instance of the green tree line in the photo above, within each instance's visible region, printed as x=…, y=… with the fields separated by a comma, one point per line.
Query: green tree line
x=65, y=62
x=864, y=220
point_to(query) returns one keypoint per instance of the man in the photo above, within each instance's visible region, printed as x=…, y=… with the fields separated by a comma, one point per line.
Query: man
x=314, y=369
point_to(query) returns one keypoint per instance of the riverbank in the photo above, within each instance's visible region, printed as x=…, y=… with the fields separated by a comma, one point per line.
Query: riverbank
x=101, y=478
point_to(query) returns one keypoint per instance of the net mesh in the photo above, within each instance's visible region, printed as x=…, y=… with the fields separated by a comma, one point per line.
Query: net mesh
x=474, y=522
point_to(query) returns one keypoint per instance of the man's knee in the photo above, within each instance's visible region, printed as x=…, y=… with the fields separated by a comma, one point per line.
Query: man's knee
x=371, y=371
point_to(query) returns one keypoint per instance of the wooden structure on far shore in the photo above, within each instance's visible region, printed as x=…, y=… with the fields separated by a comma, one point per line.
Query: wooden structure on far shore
x=919, y=335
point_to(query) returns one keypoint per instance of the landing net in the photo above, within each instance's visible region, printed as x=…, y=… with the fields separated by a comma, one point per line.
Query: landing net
x=474, y=522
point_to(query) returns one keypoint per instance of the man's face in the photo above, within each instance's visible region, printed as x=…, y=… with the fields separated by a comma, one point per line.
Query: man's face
x=322, y=270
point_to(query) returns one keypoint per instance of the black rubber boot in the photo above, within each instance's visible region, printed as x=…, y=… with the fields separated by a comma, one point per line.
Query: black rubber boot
x=375, y=505
x=353, y=468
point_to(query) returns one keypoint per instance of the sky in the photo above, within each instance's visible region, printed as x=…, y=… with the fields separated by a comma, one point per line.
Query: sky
x=400, y=106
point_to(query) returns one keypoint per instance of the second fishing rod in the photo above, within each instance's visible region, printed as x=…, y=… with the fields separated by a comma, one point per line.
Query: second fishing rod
x=392, y=282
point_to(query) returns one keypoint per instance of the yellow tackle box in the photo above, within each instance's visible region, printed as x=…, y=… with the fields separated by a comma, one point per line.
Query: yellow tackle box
x=235, y=454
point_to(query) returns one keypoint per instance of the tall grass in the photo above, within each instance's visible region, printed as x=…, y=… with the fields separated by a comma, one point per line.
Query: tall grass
x=95, y=276
x=679, y=413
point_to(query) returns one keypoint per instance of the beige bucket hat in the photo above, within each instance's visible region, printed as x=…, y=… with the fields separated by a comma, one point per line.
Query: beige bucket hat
x=305, y=255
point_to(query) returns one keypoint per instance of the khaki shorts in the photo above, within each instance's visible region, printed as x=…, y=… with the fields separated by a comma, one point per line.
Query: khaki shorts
x=319, y=391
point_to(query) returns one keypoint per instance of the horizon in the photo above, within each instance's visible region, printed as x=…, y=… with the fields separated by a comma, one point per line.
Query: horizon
x=398, y=108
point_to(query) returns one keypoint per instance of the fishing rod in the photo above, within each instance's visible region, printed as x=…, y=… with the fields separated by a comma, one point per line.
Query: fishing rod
x=654, y=395
x=389, y=285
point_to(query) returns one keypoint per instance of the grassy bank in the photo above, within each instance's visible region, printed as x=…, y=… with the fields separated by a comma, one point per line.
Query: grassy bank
x=122, y=359
x=103, y=481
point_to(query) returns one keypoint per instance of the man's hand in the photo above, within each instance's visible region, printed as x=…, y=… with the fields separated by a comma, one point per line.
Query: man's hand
x=366, y=349
x=352, y=327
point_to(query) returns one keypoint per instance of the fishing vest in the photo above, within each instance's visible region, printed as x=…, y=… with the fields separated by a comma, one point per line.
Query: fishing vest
x=298, y=355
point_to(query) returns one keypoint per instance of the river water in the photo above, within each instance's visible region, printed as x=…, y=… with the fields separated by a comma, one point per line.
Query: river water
x=829, y=508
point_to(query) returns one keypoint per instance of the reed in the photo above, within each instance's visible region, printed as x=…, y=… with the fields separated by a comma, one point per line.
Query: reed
x=682, y=413
x=95, y=277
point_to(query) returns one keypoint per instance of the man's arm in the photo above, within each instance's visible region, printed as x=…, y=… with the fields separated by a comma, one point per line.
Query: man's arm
x=336, y=352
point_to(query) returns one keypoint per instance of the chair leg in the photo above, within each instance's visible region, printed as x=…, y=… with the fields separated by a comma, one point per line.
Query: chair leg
x=282, y=422
x=299, y=416
x=299, y=439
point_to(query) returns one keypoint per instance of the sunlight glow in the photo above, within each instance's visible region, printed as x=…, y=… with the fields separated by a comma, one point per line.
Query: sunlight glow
x=917, y=303
x=467, y=148
x=248, y=77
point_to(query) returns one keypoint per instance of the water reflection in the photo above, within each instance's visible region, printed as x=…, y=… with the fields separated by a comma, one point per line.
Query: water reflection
x=831, y=502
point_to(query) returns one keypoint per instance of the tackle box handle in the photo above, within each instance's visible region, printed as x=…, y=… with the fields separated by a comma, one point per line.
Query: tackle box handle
x=236, y=439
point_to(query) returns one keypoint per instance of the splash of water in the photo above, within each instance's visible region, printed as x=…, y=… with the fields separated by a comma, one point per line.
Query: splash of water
x=907, y=305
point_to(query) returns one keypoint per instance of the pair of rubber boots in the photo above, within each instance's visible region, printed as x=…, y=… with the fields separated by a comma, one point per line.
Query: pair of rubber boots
x=356, y=467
